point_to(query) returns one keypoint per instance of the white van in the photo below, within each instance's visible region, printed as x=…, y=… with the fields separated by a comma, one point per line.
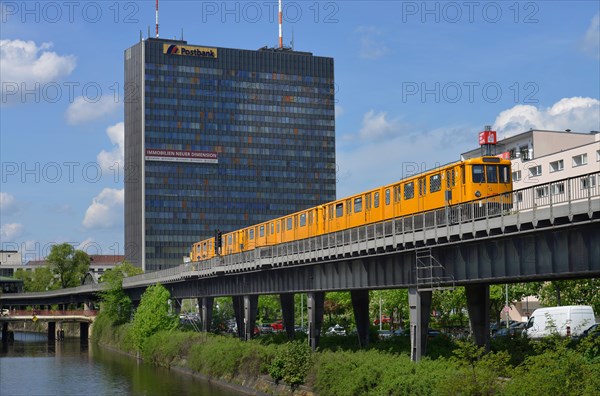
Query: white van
x=565, y=321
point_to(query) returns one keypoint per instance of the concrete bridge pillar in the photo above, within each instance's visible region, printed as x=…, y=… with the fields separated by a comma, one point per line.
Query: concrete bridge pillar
x=238, y=310
x=206, y=311
x=250, y=311
x=478, y=305
x=51, y=331
x=360, y=305
x=84, y=328
x=419, y=303
x=287, y=309
x=315, y=304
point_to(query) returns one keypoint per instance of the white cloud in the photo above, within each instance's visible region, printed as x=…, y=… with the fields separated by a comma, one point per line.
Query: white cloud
x=371, y=44
x=106, y=209
x=577, y=114
x=377, y=126
x=7, y=202
x=590, y=43
x=9, y=232
x=108, y=159
x=83, y=109
x=24, y=62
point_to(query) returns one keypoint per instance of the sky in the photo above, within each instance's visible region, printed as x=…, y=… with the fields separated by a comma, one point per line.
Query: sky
x=415, y=82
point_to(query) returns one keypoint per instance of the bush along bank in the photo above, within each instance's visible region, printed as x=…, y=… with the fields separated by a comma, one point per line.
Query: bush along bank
x=560, y=368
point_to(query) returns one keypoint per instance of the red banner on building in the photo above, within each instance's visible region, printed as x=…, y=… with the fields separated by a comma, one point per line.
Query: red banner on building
x=205, y=157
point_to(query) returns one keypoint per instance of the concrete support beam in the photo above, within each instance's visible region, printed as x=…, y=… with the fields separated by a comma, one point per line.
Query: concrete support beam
x=84, y=331
x=238, y=310
x=51, y=331
x=206, y=311
x=288, y=310
x=315, y=304
x=478, y=305
x=360, y=305
x=419, y=303
x=250, y=311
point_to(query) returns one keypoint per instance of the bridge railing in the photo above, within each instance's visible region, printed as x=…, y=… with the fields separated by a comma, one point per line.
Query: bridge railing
x=51, y=312
x=546, y=195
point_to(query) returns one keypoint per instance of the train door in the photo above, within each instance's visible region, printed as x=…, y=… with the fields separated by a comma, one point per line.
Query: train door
x=492, y=181
x=421, y=203
x=368, y=207
x=339, y=220
x=451, y=195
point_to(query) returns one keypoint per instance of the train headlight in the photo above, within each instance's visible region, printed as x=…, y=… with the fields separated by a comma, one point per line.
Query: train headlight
x=477, y=194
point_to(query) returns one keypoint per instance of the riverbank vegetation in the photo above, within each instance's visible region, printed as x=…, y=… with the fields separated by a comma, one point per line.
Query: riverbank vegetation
x=513, y=367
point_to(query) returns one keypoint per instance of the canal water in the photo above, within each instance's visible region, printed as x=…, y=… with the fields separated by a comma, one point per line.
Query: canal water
x=33, y=366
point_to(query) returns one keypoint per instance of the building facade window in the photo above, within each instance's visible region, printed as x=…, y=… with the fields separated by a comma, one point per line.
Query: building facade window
x=580, y=160
x=588, y=182
x=557, y=166
x=535, y=170
x=516, y=175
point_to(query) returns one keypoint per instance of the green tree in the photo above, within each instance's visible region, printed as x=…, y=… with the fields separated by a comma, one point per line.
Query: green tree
x=68, y=264
x=41, y=279
x=269, y=307
x=571, y=292
x=152, y=315
x=116, y=303
x=516, y=292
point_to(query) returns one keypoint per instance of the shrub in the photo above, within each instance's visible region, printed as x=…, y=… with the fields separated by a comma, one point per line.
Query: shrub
x=291, y=363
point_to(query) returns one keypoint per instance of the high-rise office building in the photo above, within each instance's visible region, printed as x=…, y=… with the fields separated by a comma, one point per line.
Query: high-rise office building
x=219, y=138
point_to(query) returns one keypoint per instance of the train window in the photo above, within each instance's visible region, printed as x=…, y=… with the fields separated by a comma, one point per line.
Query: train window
x=278, y=227
x=478, y=175
x=368, y=197
x=504, y=174
x=387, y=196
x=272, y=228
x=330, y=209
x=339, y=210
x=302, y=219
x=261, y=231
x=398, y=193
x=357, y=205
x=289, y=223
x=376, y=199
x=251, y=233
x=348, y=206
x=491, y=173
x=422, y=186
x=229, y=239
x=409, y=190
x=435, y=183
x=462, y=174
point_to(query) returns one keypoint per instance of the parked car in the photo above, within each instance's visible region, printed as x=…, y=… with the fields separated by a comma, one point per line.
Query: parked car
x=592, y=331
x=277, y=325
x=384, y=334
x=265, y=328
x=384, y=319
x=5, y=312
x=336, y=330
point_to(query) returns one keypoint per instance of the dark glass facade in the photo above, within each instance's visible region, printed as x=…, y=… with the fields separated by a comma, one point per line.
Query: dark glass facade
x=265, y=121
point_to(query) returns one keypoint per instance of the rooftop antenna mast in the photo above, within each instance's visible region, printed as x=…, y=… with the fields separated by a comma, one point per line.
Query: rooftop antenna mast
x=280, y=25
x=156, y=18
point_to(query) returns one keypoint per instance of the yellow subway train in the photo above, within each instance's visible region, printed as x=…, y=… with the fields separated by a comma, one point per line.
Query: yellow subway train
x=455, y=183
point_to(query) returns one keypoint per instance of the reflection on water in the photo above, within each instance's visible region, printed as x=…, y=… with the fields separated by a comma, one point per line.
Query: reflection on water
x=34, y=366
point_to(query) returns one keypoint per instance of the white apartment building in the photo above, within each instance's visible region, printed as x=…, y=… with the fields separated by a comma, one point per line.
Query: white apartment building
x=8, y=260
x=540, y=156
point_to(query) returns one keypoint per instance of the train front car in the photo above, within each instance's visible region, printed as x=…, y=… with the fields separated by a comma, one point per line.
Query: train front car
x=487, y=182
